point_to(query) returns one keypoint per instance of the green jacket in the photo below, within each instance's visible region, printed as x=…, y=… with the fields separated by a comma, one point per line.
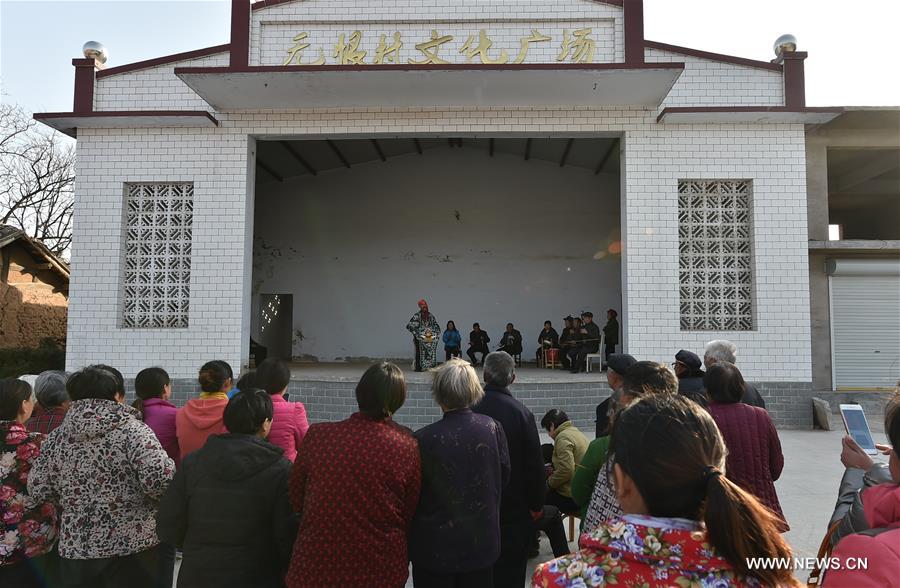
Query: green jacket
x=568, y=450
x=587, y=472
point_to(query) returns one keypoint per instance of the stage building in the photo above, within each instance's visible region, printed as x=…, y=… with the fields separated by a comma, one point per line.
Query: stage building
x=509, y=161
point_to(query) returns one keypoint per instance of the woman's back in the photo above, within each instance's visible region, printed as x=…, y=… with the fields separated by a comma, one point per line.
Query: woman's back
x=355, y=485
x=197, y=420
x=289, y=425
x=159, y=415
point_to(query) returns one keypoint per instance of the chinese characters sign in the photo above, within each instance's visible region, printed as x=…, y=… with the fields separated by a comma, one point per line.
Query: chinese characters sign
x=585, y=44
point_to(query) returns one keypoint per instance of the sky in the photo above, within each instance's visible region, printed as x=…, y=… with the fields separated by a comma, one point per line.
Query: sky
x=852, y=51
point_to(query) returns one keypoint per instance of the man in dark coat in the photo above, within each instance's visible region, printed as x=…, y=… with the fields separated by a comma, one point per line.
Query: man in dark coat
x=511, y=342
x=611, y=330
x=522, y=503
x=590, y=334
x=228, y=508
x=548, y=339
x=478, y=343
x=690, y=377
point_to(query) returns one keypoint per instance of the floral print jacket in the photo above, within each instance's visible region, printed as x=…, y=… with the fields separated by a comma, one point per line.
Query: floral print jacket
x=642, y=551
x=27, y=527
x=107, y=472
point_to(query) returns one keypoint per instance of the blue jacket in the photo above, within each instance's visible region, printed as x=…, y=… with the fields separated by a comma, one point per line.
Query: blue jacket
x=452, y=338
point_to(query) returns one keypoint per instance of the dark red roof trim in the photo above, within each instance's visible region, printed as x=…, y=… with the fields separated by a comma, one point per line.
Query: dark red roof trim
x=713, y=56
x=206, y=51
x=426, y=67
x=702, y=109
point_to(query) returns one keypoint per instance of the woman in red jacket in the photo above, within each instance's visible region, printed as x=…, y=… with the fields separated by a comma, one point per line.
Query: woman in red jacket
x=754, y=459
x=289, y=424
x=355, y=485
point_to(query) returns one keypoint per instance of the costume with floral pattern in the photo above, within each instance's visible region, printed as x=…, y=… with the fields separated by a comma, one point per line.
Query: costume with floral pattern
x=642, y=551
x=27, y=527
x=421, y=325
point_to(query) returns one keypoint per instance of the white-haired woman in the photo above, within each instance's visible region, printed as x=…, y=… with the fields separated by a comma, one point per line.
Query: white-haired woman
x=455, y=536
x=722, y=350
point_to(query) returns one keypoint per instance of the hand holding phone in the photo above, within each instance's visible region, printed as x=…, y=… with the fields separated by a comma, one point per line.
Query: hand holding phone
x=858, y=427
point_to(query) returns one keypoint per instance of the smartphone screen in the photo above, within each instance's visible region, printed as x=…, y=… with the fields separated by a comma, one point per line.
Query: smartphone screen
x=858, y=428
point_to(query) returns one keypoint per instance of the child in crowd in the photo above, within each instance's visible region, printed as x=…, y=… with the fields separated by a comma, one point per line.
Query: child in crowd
x=685, y=523
x=289, y=423
x=202, y=417
x=153, y=390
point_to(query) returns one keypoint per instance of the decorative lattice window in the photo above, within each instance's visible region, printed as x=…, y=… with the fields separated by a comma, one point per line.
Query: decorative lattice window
x=715, y=255
x=157, y=263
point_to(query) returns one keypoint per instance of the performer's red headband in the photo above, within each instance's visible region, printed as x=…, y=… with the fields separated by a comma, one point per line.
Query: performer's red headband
x=423, y=303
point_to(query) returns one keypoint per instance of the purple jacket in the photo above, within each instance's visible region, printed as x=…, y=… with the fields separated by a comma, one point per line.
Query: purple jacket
x=159, y=415
x=289, y=425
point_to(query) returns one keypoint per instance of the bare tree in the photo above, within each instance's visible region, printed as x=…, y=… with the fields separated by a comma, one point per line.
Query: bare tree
x=37, y=174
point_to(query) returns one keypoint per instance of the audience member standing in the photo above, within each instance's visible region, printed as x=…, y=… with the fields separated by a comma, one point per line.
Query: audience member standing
x=202, y=417
x=690, y=377
x=53, y=402
x=228, y=508
x=153, y=390
x=754, y=459
x=107, y=471
x=28, y=527
x=685, y=523
x=617, y=365
x=455, y=536
x=289, y=424
x=722, y=350
x=611, y=331
x=355, y=485
x=522, y=503
x=569, y=445
x=478, y=343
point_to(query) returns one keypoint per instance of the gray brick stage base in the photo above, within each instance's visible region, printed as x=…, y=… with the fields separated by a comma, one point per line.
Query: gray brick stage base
x=790, y=404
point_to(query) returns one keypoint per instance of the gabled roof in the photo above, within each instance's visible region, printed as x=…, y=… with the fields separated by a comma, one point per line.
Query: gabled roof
x=10, y=234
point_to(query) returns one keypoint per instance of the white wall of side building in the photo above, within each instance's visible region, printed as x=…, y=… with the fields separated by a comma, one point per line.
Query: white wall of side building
x=656, y=157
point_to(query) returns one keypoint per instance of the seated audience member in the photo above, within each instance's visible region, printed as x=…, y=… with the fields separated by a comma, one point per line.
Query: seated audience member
x=754, y=459
x=452, y=341
x=590, y=334
x=685, y=523
x=592, y=487
x=862, y=473
x=53, y=402
x=722, y=350
x=690, y=377
x=875, y=537
x=478, y=343
x=455, y=535
x=617, y=365
x=355, y=485
x=570, y=344
x=569, y=445
x=153, y=390
x=28, y=527
x=522, y=509
x=611, y=331
x=107, y=472
x=511, y=342
x=289, y=424
x=228, y=508
x=547, y=339
x=202, y=417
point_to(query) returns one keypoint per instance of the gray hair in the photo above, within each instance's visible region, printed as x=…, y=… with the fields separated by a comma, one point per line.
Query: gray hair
x=50, y=388
x=499, y=369
x=456, y=385
x=721, y=350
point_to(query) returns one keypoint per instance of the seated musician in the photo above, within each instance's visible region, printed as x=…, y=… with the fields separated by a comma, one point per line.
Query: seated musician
x=590, y=343
x=547, y=339
x=570, y=344
x=511, y=342
x=478, y=343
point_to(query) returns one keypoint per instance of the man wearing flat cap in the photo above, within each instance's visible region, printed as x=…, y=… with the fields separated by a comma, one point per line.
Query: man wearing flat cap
x=616, y=367
x=690, y=376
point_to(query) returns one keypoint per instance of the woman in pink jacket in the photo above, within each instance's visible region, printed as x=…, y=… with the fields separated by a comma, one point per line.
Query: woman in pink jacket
x=153, y=389
x=289, y=423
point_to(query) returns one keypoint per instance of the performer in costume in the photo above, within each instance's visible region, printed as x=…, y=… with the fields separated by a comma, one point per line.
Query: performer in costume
x=426, y=333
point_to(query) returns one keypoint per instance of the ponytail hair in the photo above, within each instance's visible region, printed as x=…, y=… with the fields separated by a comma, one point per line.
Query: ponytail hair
x=673, y=451
x=149, y=383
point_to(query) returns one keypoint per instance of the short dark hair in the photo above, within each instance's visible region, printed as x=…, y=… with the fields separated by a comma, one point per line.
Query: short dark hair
x=246, y=381
x=577, y=318
x=554, y=417
x=13, y=393
x=116, y=374
x=213, y=375
x=381, y=391
x=548, y=323
x=272, y=375
x=151, y=383
x=588, y=314
x=247, y=410
x=724, y=383
x=510, y=325
x=93, y=382
x=649, y=377
x=476, y=325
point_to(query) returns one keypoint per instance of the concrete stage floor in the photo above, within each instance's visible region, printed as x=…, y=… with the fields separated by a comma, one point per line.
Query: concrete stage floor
x=351, y=372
